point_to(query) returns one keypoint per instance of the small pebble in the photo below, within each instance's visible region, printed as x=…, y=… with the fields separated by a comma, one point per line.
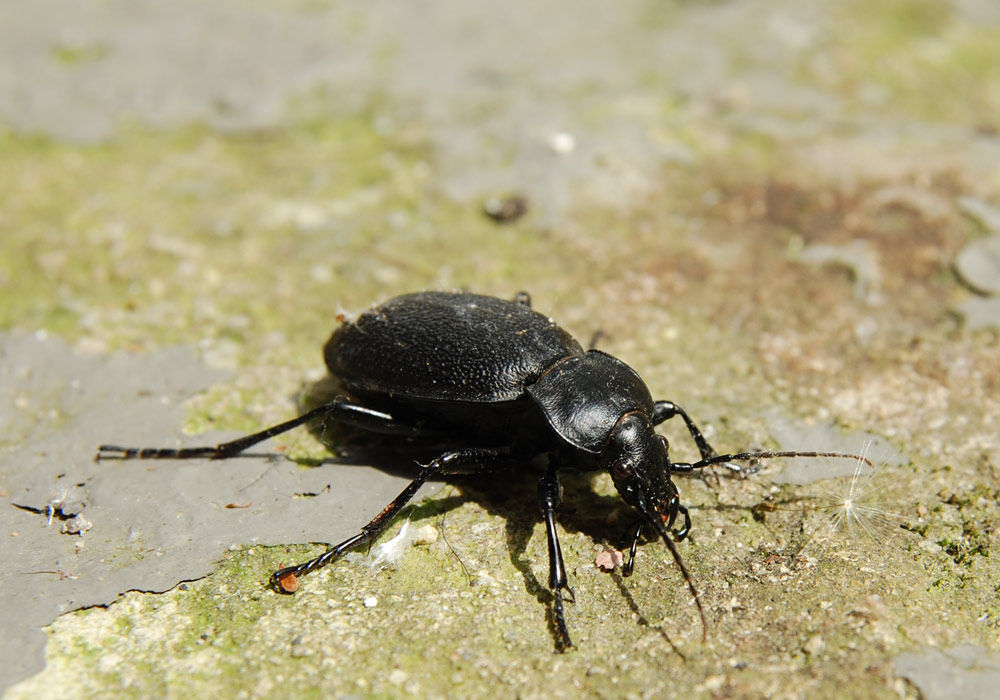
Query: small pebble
x=370, y=602
x=978, y=264
x=77, y=525
x=505, y=210
x=985, y=214
x=980, y=313
x=609, y=559
x=398, y=676
x=428, y=534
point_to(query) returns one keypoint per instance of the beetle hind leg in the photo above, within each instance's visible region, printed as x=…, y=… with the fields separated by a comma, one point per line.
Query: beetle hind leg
x=454, y=462
x=340, y=409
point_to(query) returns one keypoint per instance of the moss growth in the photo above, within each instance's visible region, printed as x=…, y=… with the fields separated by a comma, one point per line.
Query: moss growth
x=73, y=55
x=918, y=59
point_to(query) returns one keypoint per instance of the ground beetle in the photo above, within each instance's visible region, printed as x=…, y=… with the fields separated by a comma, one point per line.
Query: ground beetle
x=496, y=384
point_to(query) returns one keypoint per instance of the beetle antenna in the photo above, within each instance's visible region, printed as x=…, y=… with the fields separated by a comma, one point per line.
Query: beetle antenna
x=721, y=459
x=659, y=527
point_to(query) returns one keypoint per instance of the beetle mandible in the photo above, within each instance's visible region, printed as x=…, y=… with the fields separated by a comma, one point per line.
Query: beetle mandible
x=498, y=385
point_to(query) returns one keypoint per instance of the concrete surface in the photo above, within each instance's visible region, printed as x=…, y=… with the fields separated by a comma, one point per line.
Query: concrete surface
x=772, y=209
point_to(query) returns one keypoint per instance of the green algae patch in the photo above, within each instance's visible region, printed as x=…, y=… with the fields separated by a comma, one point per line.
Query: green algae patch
x=914, y=57
x=230, y=240
x=152, y=237
x=445, y=620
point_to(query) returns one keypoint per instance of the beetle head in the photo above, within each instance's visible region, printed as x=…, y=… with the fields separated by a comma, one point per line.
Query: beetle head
x=636, y=457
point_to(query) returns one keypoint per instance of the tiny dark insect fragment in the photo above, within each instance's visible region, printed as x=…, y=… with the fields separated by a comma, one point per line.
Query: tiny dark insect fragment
x=505, y=210
x=494, y=385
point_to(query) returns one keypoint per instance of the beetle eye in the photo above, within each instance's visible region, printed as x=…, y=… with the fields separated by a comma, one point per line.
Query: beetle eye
x=621, y=470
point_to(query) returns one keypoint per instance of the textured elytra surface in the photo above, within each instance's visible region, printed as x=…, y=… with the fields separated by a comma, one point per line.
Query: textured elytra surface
x=447, y=347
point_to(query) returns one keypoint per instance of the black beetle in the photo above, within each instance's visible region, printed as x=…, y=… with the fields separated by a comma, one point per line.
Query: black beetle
x=498, y=384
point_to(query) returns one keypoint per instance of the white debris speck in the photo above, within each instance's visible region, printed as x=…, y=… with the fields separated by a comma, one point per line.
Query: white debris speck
x=77, y=525
x=483, y=578
x=398, y=676
x=108, y=663
x=562, y=142
x=815, y=646
x=370, y=602
x=321, y=273
x=391, y=552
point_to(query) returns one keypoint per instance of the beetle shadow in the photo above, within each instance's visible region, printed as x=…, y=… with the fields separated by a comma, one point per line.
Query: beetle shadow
x=582, y=510
x=601, y=519
x=641, y=619
x=510, y=494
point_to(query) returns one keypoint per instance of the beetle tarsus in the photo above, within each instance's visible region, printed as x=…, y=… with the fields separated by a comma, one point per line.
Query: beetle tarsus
x=681, y=534
x=116, y=452
x=563, y=640
x=549, y=495
x=635, y=529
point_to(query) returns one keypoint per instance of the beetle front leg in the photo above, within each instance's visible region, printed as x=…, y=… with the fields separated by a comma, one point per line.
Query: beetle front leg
x=549, y=495
x=681, y=535
x=634, y=533
x=665, y=410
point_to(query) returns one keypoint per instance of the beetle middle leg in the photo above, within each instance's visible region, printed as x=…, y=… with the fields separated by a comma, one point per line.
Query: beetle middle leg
x=448, y=463
x=549, y=495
